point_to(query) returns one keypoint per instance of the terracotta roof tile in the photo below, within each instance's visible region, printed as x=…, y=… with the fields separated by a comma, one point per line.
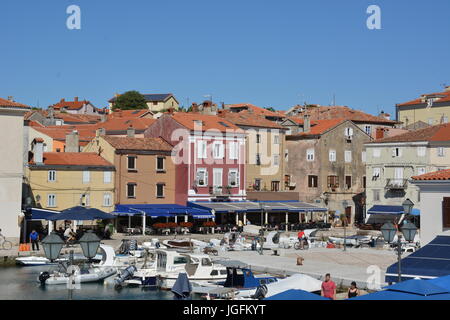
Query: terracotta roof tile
x=150, y=144
x=129, y=113
x=319, y=127
x=440, y=132
x=441, y=97
x=206, y=122
x=70, y=105
x=12, y=104
x=437, y=175
x=256, y=109
x=74, y=159
x=246, y=118
x=341, y=112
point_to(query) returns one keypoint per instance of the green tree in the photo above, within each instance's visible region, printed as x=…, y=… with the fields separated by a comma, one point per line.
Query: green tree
x=130, y=100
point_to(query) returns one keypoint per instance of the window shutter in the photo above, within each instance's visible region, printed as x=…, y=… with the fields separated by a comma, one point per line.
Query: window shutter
x=206, y=177
x=86, y=176
x=446, y=213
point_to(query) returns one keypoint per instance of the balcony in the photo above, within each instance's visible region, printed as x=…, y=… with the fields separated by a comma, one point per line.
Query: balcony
x=396, y=184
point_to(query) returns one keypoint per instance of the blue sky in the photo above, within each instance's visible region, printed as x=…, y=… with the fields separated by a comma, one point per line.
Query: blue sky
x=270, y=53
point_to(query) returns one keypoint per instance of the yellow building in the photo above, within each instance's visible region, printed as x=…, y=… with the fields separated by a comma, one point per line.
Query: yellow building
x=61, y=180
x=429, y=109
x=156, y=102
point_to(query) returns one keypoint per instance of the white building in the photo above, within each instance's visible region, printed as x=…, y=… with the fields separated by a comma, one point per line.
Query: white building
x=435, y=204
x=11, y=165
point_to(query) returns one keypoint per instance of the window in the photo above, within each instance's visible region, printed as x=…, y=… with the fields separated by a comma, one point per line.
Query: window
x=214, y=273
x=107, y=199
x=376, y=173
x=51, y=200
x=348, y=133
x=446, y=212
x=310, y=155
x=376, y=153
x=233, y=150
x=51, y=175
x=364, y=182
x=131, y=163
x=368, y=130
x=202, y=177
x=86, y=176
x=286, y=155
x=85, y=200
x=276, y=160
x=131, y=190
x=107, y=176
x=348, y=182
x=348, y=156
x=257, y=185
x=440, y=152
x=333, y=182
x=258, y=159
x=376, y=195
x=396, y=152
x=313, y=181
x=421, y=151
x=160, y=190
x=218, y=150
x=160, y=164
x=275, y=185
x=258, y=138
x=421, y=170
x=276, y=139
x=233, y=178
x=201, y=149
x=332, y=155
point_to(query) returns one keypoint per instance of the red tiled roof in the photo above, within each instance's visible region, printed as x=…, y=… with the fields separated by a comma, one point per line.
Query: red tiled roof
x=319, y=127
x=60, y=132
x=256, y=109
x=208, y=122
x=12, y=104
x=247, y=118
x=74, y=159
x=437, y=175
x=70, y=105
x=122, y=124
x=129, y=113
x=341, y=112
x=79, y=118
x=440, y=132
x=127, y=143
x=442, y=97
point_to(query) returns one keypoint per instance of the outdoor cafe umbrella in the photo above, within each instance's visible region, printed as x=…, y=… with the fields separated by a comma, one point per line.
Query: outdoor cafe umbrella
x=80, y=213
x=414, y=289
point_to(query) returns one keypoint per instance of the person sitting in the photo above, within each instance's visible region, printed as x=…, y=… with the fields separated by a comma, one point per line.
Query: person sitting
x=353, y=291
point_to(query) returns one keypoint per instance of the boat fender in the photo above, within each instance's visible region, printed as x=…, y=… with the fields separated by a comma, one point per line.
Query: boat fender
x=43, y=277
x=260, y=292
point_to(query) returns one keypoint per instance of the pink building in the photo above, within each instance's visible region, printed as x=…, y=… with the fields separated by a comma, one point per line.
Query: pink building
x=209, y=156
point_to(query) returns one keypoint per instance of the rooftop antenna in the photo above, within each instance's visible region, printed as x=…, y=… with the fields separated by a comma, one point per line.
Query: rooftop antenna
x=334, y=99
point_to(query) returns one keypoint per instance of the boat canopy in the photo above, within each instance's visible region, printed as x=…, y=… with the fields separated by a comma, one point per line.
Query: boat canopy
x=255, y=206
x=80, y=213
x=161, y=210
x=430, y=261
x=296, y=295
x=240, y=278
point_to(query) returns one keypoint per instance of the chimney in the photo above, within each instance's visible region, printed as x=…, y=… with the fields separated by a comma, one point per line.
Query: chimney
x=379, y=134
x=103, y=117
x=62, y=100
x=38, y=151
x=447, y=89
x=171, y=110
x=11, y=98
x=223, y=105
x=51, y=113
x=100, y=132
x=130, y=132
x=72, y=142
x=75, y=99
x=306, y=123
x=194, y=107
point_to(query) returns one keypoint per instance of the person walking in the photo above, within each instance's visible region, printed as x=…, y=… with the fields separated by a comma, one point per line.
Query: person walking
x=328, y=288
x=34, y=239
x=353, y=291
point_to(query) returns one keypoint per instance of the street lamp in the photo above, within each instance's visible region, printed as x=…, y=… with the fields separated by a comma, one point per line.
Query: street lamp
x=388, y=231
x=407, y=206
x=52, y=244
x=89, y=244
x=409, y=231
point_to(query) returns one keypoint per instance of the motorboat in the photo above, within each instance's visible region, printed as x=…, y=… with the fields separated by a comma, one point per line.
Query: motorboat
x=184, y=244
x=198, y=267
x=122, y=261
x=354, y=240
x=232, y=241
x=84, y=275
x=42, y=261
x=276, y=239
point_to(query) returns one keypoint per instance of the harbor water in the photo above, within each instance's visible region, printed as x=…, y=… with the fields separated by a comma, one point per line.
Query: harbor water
x=21, y=283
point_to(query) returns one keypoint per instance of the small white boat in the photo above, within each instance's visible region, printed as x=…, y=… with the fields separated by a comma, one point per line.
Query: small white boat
x=35, y=261
x=198, y=267
x=79, y=276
